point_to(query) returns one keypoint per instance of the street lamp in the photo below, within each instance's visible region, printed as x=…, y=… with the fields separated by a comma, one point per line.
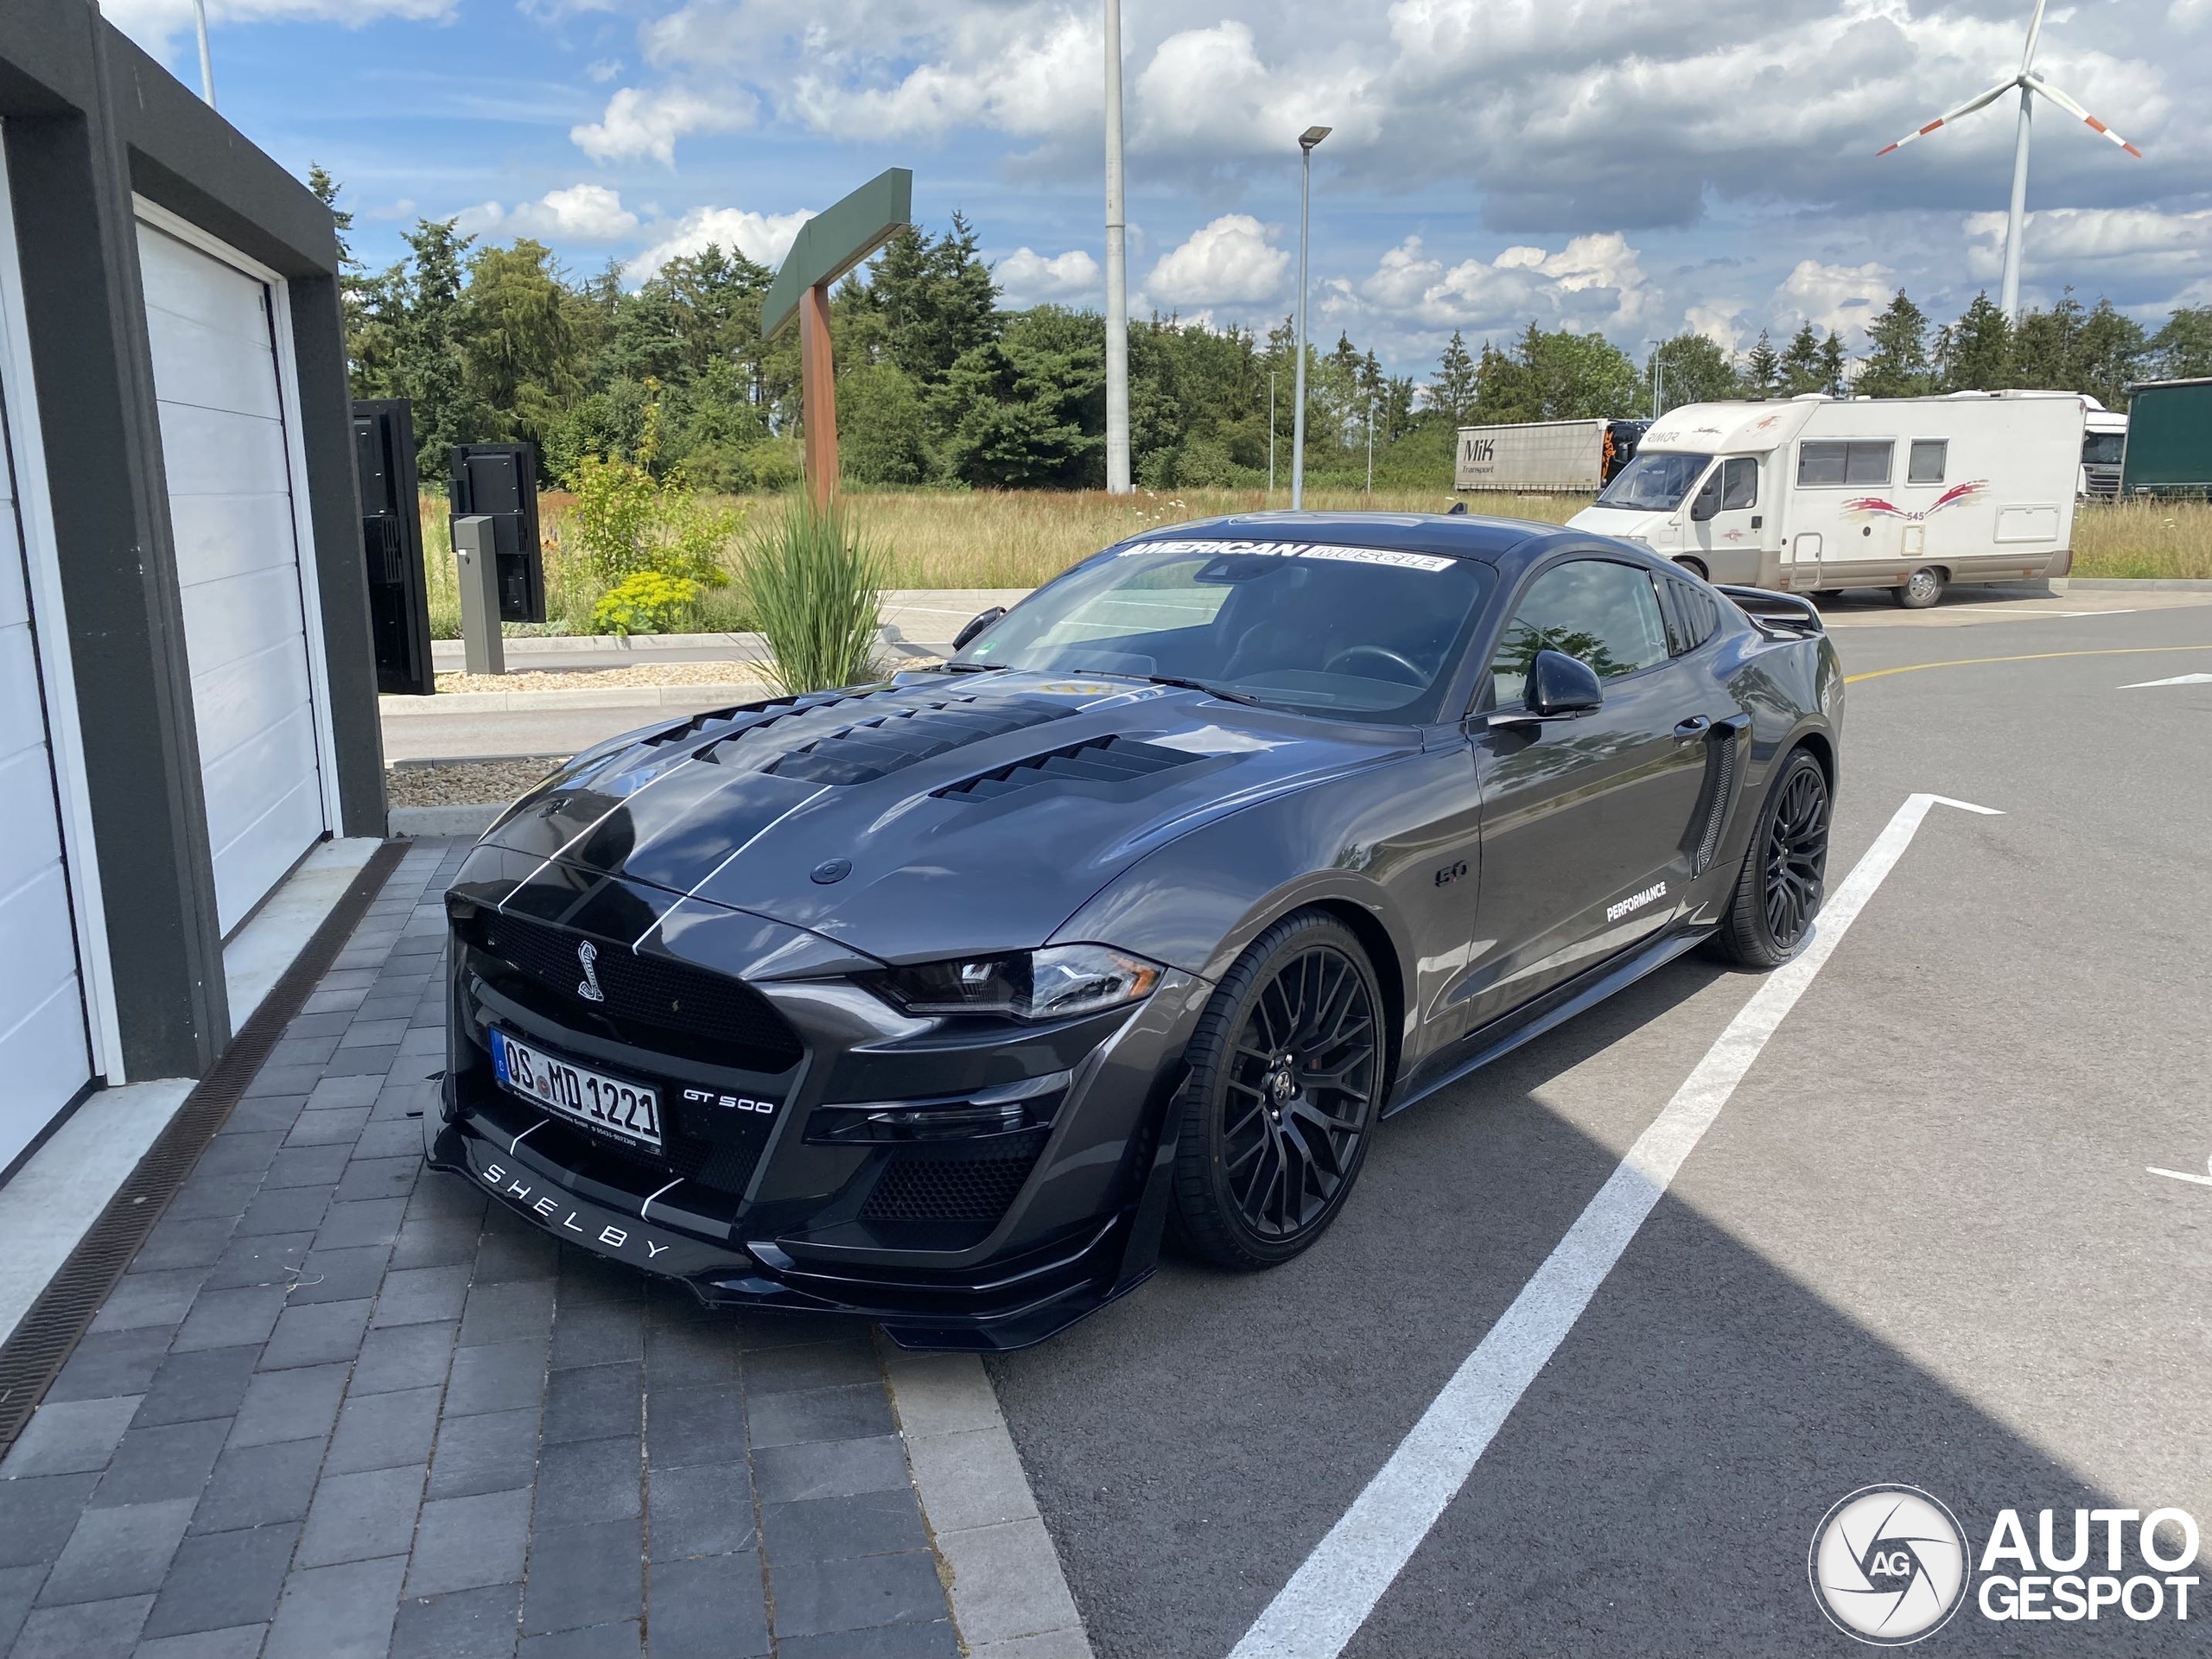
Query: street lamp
x=1655, y=345
x=1307, y=140
x=206, y=63
x=1271, y=438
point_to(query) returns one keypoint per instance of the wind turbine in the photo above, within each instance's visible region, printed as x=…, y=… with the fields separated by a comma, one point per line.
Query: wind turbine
x=2029, y=84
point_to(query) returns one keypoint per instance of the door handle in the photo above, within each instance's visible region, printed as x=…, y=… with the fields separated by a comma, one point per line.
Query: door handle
x=1695, y=726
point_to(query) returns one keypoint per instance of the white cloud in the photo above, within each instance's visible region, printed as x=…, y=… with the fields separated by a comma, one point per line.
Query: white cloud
x=603, y=71
x=765, y=238
x=639, y=123
x=1031, y=278
x=1840, y=298
x=1594, y=281
x=2084, y=244
x=1228, y=261
x=1027, y=84
x=156, y=25
x=582, y=212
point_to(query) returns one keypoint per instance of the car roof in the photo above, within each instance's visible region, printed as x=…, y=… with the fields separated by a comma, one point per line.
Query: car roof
x=1510, y=544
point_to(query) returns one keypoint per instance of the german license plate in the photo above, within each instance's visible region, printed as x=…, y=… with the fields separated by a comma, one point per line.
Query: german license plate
x=629, y=1112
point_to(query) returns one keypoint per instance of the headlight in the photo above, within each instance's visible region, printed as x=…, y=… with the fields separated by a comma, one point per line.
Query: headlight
x=1054, y=983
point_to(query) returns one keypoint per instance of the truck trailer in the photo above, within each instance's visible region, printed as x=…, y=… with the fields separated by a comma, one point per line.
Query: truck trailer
x=1545, y=457
x=2168, y=440
x=1814, y=494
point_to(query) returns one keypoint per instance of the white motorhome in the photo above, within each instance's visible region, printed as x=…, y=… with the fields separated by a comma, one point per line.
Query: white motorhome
x=1814, y=494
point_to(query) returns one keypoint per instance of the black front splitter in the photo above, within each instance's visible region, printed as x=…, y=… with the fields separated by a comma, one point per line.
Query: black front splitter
x=1023, y=1310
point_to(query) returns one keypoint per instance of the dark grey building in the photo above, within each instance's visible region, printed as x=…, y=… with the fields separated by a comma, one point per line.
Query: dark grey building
x=188, y=701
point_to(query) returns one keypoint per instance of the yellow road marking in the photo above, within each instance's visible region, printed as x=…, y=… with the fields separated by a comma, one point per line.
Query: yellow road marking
x=2031, y=657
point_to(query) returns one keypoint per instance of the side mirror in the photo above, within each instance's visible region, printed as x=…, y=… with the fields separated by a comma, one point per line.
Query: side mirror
x=977, y=624
x=1560, y=684
x=1708, y=499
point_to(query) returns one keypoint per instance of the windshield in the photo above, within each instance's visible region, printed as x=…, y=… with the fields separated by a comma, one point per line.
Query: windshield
x=1655, y=483
x=1351, y=633
x=2103, y=449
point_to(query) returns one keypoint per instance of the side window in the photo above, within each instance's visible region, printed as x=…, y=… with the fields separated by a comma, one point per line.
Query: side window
x=1837, y=462
x=1696, y=614
x=1925, y=464
x=1604, y=613
x=1741, y=487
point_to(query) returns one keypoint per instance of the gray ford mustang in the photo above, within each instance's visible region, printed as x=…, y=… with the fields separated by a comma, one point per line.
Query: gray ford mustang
x=940, y=1002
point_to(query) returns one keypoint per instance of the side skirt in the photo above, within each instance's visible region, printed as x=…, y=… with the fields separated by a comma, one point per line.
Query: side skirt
x=1555, y=1007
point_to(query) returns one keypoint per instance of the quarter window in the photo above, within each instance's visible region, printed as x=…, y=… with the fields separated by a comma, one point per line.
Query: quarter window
x=1839, y=462
x=1606, y=614
x=1924, y=465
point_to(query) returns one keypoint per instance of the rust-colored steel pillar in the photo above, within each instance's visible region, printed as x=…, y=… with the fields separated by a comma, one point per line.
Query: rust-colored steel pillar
x=818, y=393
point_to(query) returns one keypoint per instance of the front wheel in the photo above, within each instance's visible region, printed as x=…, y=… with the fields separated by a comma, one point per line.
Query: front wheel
x=1696, y=568
x=1286, y=1077
x=1785, y=871
x=1921, y=588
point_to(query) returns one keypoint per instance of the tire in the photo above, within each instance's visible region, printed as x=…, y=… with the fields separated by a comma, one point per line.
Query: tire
x=1696, y=568
x=1921, y=588
x=1271, y=1140
x=1785, y=870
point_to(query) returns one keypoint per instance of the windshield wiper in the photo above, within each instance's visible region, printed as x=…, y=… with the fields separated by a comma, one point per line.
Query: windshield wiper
x=1225, y=695
x=969, y=668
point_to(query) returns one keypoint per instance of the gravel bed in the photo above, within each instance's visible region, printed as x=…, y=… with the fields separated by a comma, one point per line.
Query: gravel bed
x=591, y=679
x=468, y=783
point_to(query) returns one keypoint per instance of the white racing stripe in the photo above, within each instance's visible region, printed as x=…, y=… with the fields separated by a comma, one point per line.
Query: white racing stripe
x=1330, y=1595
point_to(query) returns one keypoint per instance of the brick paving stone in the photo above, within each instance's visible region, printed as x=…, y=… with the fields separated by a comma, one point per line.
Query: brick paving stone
x=334, y=1092
x=317, y=1166
x=220, y=1195
x=293, y=1405
x=120, y=1552
x=340, y=1126
x=582, y=1576
x=810, y=1415
x=37, y=1515
x=73, y=1437
x=405, y=1357
x=99, y=1629
x=156, y=1463
x=287, y=1209
x=933, y=1641
x=209, y=1383
x=585, y=1481
x=220, y=1580
x=814, y=1598
x=829, y=1529
x=259, y=1486
x=315, y=1334
x=489, y=1452
x=421, y=1296
x=372, y=1221
x=179, y=1243
x=464, y=1625
x=383, y=1430
x=589, y=1402
x=811, y=1365
x=714, y=1608
x=337, y=1612
x=464, y=1543
x=784, y=1474
x=701, y=1509
x=258, y=1259
x=367, y=1062
x=507, y=1313
x=617, y=1641
x=240, y=1641
x=112, y=1363
x=361, y=1517
x=141, y=1300
x=496, y=1376
x=698, y=1425
x=347, y=1275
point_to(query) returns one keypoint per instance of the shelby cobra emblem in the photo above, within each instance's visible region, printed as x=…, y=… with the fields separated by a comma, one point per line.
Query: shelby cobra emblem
x=588, y=953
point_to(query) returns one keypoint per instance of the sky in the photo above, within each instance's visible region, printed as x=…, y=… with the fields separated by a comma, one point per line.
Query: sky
x=1628, y=168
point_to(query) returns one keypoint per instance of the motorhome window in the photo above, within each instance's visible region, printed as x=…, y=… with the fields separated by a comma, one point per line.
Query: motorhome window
x=1741, y=488
x=1604, y=613
x=1839, y=461
x=1655, y=483
x=1925, y=465
x=2103, y=449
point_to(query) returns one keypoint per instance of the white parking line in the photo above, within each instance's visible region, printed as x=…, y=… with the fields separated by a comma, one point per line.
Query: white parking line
x=1334, y=1590
x=2177, y=1175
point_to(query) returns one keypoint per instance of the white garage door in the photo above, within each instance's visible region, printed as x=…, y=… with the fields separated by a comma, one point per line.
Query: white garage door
x=45, y=1050
x=224, y=446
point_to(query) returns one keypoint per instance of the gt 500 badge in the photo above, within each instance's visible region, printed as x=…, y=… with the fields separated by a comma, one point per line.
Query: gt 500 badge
x=732, y=1103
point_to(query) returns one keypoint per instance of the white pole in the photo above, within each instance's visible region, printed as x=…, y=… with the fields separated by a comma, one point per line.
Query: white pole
x=206, y=63
x=1117, y=274
x=1370, y=443
x=1298, y=383
x=1271, y=435
x=2016, y=221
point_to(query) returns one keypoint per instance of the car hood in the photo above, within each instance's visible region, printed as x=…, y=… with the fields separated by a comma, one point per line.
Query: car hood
x=936, y=816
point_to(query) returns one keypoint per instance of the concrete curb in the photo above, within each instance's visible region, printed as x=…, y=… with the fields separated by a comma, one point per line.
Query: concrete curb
x=685, y=697
x=436, y=822
x=2124, y=584
x=1010, y=1598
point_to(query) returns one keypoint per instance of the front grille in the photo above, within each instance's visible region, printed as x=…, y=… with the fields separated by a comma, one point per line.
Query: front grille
x=976, y=1187
x=654, y=992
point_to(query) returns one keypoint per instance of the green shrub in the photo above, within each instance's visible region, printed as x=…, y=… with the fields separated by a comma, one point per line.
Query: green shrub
x=775, y=465
x=812, y=587
x=647, y=601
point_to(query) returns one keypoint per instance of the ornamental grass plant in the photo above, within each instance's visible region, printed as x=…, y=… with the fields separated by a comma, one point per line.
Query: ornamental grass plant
x=813, y=585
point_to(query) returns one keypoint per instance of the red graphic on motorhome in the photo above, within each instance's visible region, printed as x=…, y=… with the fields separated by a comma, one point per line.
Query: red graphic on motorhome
x=1873, y=506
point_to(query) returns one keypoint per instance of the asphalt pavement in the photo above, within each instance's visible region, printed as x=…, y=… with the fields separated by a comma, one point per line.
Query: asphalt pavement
x=1920, y=1244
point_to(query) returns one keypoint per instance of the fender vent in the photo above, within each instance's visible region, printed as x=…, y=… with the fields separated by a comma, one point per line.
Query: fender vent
x=918, y=1187
x=1110, y=759
x=1720, y=793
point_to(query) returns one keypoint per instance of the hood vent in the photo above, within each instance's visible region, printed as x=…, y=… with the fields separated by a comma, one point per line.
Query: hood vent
x=885, y=739
x=1110, y=759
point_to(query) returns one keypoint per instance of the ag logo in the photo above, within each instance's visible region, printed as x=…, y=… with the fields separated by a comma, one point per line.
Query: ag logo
x=1888, y=1565
x=587, y=954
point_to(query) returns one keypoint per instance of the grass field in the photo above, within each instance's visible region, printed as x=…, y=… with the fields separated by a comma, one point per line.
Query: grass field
x=1018, y=539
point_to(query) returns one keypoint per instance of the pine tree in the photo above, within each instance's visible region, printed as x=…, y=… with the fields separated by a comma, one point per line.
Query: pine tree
x=1979, y=352
x=1897, y=364
x=1452, y=393
x=1801, y=363
x=1763, y=368
x=2183, y=346
x=1833, y=364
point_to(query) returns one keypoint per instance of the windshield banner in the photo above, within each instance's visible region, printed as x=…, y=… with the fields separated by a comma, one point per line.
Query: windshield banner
x=1298, y=550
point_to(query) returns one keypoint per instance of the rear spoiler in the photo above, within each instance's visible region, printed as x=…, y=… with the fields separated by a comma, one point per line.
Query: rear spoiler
x=1783, y=613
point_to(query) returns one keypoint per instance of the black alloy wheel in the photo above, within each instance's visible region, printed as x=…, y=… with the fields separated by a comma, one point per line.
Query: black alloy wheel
x=1796, y=855
x=1784, y=876
x=1285, y=1077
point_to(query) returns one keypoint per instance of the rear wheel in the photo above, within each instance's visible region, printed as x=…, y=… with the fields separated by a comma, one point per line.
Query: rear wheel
x=1921, y=588
x=1785, y=870
x=1285, y=1079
